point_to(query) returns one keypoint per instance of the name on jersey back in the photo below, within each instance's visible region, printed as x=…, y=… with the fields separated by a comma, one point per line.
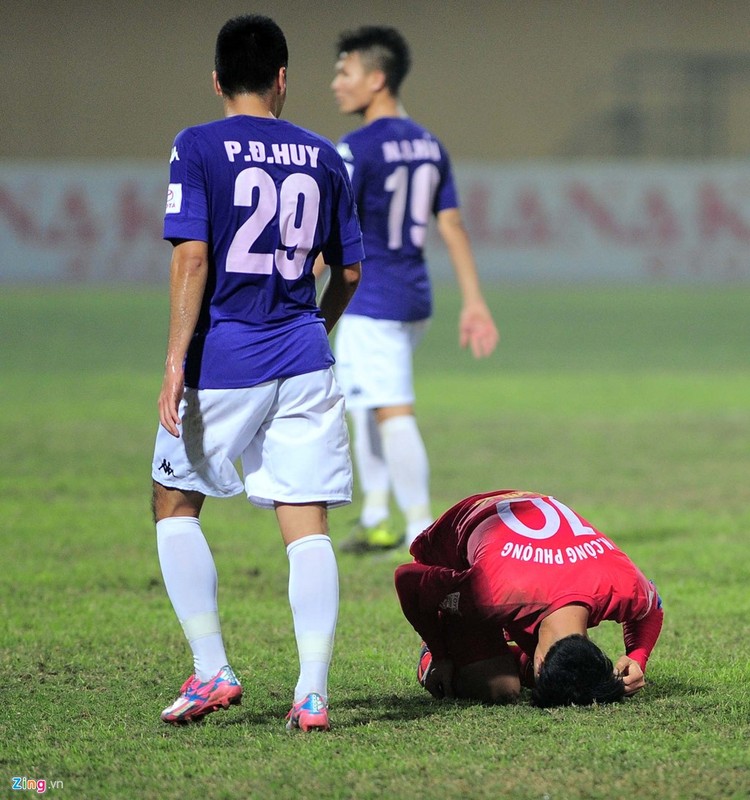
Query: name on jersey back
x=411, y=150
x=280, y=153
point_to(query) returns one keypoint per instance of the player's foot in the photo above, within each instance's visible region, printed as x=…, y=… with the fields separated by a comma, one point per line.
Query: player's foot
x=198, y=699
x=310, y=714
x=424, y=663
x=368, y=540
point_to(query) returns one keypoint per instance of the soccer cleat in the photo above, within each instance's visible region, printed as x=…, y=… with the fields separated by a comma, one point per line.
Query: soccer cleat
x=424, y=663
x=310, y=714
x=198, y=699
x=367, y=540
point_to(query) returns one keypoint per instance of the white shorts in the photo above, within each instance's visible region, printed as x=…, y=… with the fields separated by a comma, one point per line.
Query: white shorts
x=290, y=436
x=374, y=360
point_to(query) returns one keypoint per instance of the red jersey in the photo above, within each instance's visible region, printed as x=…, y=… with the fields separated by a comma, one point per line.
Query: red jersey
x=507, y=560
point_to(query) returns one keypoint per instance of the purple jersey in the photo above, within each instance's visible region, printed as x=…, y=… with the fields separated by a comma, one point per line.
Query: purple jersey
x=401, y=176
x=267, y=197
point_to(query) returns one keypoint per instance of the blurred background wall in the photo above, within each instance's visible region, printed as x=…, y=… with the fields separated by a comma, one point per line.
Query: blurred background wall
x=625, y=83
x=497, y=79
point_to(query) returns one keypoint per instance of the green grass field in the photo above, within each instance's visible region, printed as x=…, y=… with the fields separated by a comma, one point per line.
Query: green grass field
x=630, y=404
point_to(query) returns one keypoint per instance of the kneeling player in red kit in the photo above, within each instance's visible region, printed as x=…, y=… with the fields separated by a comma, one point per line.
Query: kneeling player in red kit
x=522, y=567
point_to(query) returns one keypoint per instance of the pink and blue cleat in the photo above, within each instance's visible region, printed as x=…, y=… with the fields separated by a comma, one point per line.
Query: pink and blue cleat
x=310, y=714
x=198, y=699
x=424, y=663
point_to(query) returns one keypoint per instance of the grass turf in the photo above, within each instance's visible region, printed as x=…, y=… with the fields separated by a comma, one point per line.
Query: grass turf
x=630, y=404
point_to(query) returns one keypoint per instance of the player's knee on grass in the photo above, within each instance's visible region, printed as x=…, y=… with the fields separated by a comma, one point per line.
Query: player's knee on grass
x=493, y=680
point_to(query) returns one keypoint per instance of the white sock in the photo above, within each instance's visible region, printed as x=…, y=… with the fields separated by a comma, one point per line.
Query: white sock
x=189, y=573
x=371, y=467
x=409, y=469
x=314, y=598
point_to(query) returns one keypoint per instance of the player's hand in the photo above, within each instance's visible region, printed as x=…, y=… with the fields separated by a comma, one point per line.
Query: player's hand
x=172, y=389
x=439, y=679
x=631, y=673
x=476, y=329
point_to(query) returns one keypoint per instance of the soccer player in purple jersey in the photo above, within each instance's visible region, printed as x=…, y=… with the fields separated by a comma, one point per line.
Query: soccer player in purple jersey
x=401, y=176
x=252, y=201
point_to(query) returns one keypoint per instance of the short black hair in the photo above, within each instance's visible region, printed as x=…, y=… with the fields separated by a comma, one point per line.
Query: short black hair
x=575, y=672
x=250, y=51
x=380, y=47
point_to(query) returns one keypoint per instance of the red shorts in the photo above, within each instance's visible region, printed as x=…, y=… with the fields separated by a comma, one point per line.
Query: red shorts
x=469, y=643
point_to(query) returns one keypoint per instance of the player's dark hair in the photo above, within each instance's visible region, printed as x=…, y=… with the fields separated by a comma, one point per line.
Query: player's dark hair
x=575, y=672
x=380, y=48
x=250, y=51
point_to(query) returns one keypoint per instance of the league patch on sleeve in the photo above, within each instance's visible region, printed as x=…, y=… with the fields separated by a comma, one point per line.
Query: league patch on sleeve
x=174, y=198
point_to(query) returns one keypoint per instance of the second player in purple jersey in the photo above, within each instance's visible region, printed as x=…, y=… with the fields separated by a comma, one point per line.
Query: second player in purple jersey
x=402, y=177
x=259, y=319
x=402, y=181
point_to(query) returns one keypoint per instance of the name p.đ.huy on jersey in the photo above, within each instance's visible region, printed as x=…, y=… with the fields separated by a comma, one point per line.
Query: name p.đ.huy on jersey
x=279, y=153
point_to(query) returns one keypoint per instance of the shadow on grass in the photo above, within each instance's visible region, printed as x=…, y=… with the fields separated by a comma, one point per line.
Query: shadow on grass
x=361, y=710
x=350, y=712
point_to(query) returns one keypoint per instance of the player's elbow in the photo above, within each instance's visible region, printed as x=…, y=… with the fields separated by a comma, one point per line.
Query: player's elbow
x=351, y=276
x=190, y=258
x=450, y=222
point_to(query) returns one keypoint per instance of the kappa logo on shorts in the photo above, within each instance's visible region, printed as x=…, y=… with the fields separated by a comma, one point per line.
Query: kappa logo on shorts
x=450, y=603
x=166, y=467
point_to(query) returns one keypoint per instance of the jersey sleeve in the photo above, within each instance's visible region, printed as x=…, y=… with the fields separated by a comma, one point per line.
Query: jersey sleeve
x=186, y=214
x=344, y=245
x=640, y=636
x=446, y=195
x=345, y=151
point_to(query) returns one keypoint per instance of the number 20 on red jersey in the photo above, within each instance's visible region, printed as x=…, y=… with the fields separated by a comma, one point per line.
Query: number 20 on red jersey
x=555, y=517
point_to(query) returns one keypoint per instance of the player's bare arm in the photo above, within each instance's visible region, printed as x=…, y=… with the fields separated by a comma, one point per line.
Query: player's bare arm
x=477, y=329
x=339, y=290
x=640, y=637
x=188, y=272
x=319, y=267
